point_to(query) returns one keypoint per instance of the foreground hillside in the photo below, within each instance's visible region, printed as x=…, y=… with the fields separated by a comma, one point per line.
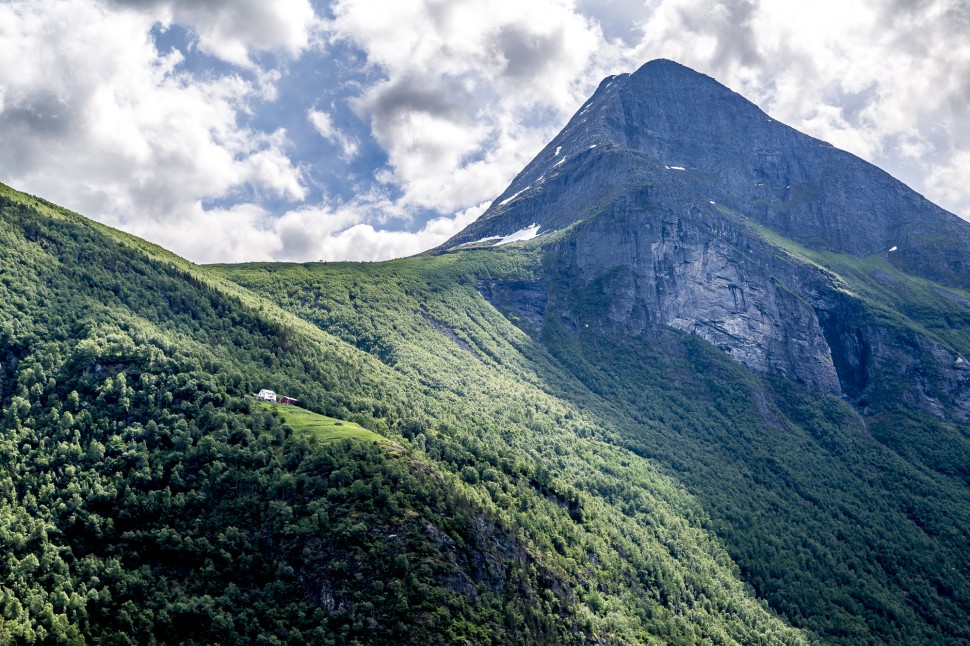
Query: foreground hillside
x=853, y=527
x=146, y=499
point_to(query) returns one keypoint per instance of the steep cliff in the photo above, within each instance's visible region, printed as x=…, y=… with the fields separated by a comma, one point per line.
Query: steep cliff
x=684, y=205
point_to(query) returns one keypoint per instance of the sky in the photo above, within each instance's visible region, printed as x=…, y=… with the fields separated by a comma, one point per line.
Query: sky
x=304, y=130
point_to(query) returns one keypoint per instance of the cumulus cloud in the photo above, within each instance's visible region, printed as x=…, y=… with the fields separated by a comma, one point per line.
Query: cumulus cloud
x=105, y=123
x=949, y=180
x=241, y=232
x=528, y=53
x=114, y=128
x=232, y=29
x=364, y=242
x=247, y=232
x=434, y=106
x=470, y=90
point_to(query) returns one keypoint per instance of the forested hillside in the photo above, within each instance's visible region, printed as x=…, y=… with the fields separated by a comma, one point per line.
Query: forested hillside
x=851, y=526
x=147, y=499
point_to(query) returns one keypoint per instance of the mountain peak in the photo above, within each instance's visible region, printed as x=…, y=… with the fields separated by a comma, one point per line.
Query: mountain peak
x=671, y=139
x=651, y=114
x=660, y=69
x=666, y=68
x=666, y=83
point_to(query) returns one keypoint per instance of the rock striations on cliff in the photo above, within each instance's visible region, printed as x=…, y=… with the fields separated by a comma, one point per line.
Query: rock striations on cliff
x=687, y=207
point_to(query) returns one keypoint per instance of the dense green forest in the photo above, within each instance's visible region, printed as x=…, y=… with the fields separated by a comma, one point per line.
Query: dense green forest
x=854, y=528
x=529, y=485
x=147, y=499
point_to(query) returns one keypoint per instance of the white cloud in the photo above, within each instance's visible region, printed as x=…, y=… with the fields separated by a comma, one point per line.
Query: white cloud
x=242, y=232
x=232, y=29
x=324, y=125
x=364, y=242
x=949, y=181
x=106, y=124
x=249, y=233
x=471, y=90
x=347, y=232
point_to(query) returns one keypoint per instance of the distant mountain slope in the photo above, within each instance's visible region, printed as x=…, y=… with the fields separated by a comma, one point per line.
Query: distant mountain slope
x=147, y=500
x=691, y=208
x=669, y=203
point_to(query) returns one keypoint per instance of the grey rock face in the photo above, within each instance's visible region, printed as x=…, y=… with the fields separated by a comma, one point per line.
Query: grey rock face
x=675, y=185
x=939, y=378
x=697, y=275
x=668, y=124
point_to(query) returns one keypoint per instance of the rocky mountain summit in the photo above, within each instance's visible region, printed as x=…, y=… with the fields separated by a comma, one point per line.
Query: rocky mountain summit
x=687, y=207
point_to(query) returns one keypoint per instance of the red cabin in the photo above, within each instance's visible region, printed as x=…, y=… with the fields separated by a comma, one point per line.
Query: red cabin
x=289, y=401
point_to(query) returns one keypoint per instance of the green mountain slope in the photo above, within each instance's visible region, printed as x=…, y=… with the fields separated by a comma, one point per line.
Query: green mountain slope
x=147, y=499
x=853, y=527
x=724, y=397
x=618, y=523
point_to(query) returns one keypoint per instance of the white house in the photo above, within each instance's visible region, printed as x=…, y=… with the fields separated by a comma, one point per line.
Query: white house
x=266, y=395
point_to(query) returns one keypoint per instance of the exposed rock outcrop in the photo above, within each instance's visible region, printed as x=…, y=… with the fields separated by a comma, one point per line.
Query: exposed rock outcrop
x=688, y=205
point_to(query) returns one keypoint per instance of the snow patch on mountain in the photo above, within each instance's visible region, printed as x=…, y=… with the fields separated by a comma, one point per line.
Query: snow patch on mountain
x=521, y=235
x=514, y=195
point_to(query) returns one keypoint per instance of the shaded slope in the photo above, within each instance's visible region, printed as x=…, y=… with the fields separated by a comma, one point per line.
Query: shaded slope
x=851, y=526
